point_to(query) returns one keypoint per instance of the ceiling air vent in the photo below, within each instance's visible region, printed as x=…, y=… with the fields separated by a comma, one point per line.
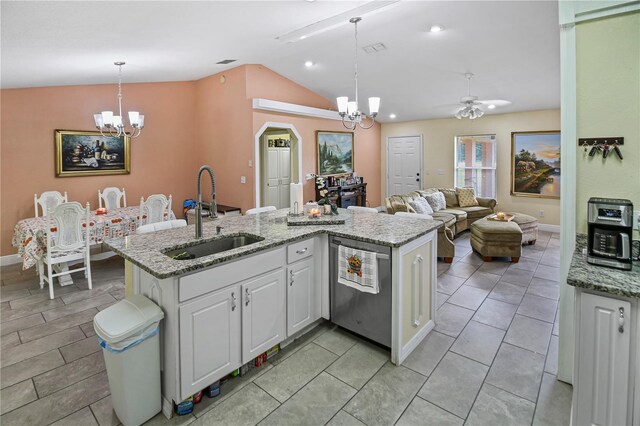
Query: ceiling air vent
x=226, y=61
x=373, y=48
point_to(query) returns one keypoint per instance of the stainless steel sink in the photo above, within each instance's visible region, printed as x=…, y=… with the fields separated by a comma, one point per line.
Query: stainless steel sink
x=218, y=245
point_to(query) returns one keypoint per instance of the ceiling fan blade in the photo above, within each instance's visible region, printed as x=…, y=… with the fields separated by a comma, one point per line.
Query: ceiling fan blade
x=496, y=102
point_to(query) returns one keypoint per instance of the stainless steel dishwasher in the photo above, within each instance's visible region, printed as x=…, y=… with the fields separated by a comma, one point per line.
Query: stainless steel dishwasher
x=366, y=314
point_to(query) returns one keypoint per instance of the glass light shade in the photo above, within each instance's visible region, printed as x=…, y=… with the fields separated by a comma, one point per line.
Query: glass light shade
x=342, y=103
x=374, y=105
x=479, y=112
x=134, y=116
x=117, y=121
x=351, y=108
x=140, y=121
x=98, y=119
x=107, y=117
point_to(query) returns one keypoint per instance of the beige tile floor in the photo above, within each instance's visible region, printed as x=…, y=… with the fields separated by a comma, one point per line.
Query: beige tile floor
x=492, y=358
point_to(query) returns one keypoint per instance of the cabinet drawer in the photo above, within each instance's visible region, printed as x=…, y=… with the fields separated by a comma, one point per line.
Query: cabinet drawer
x=299, y=250
x=229, y=273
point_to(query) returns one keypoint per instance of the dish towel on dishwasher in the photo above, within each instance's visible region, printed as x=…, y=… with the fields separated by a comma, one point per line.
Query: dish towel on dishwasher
x=358, y=269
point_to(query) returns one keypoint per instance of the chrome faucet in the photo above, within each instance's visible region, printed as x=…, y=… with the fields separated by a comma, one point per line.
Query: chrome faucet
x=213, y=207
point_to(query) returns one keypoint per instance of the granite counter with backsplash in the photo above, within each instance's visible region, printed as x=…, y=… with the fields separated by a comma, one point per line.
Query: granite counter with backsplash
x=147, y=250
x=601, y=278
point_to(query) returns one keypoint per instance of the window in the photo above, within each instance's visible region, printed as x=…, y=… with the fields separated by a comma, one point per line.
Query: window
x=475, y=163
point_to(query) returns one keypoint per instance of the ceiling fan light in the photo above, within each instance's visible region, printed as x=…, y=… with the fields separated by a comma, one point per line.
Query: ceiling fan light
x=342, y=104
x=374, y=105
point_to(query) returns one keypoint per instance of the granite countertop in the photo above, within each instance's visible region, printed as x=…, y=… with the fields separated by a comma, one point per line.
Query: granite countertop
x=146, y=250
x=601, y=278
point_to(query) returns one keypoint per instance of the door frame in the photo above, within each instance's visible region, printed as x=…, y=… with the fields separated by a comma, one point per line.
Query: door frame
x=421, y=160
x=256, y=155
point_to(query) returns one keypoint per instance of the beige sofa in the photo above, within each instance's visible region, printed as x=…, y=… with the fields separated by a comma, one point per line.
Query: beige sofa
x=456, y=219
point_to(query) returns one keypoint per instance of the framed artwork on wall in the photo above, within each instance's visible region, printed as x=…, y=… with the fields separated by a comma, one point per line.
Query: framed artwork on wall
x=335, y=153
x=535, y=164
x=86, y=153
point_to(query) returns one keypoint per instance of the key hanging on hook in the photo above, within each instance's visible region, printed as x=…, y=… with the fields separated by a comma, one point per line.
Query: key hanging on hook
x=605, y=150
x=594, y=150
x=617, y=151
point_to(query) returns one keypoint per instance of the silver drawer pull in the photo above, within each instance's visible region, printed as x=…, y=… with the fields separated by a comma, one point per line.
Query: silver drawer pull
x=233, y=301
x=304, y=250
x=247, y=297
x=291, y=275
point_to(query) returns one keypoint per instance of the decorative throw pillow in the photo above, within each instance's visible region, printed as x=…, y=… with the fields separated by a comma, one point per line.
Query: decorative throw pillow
x=420, y=205
x=450, y=196
x=466, y=197
x=436, y=200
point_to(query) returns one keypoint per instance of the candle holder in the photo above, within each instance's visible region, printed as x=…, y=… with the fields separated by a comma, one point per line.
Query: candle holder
x=312, y=210
x=294, y=211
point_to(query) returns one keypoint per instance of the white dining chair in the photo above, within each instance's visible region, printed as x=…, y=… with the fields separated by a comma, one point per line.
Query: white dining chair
x=257, y=210
x=155, y=209
x=362, y=209
x=48, y=200
x=70, y=243
x=112, y=197
x=161, y=226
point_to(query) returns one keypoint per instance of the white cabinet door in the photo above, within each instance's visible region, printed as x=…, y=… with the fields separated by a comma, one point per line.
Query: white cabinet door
x=209, y=339
x=263, y=313
x=301, y=291
x=603, y=367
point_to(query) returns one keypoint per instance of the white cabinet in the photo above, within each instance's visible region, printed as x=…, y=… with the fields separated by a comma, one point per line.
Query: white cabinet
x=263, y=313
x=603, y=374
x=209, y=338
x=301, y=300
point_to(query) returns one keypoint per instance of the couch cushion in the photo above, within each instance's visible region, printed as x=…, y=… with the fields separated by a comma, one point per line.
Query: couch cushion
x=459, y=214
x=476, y=211
x=436, y=200
x=450, y=196
x=466, y=197
x=448, y=219
x=420, y=205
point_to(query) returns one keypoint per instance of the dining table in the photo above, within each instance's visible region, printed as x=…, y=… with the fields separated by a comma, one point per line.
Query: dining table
x=30, y=235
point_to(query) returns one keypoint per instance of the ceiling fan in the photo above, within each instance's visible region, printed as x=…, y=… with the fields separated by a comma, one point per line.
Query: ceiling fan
x=470, y=105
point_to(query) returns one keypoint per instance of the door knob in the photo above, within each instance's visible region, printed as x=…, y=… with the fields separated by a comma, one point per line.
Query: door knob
x=418, y=180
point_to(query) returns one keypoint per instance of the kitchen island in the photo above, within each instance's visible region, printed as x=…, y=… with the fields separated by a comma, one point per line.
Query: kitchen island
x=224, y=309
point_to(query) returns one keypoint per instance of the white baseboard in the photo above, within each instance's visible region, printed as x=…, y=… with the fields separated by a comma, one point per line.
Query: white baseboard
x=549, y=228
x=10, y=259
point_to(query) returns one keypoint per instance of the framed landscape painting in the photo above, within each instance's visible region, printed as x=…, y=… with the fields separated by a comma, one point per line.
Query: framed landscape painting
x=335, y=153
x=80, y=153
x=535, y=164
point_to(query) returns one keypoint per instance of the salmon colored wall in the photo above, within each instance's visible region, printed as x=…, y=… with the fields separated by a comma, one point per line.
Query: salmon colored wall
x=223, y=135
x=366, y=150
x=162, y=159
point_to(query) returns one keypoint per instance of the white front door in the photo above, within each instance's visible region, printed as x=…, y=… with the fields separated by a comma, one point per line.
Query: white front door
x=404, y=164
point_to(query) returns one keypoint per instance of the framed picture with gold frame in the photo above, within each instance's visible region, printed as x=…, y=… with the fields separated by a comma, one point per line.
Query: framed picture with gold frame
x=335, y=153
x=87, y=153
x=535, y=164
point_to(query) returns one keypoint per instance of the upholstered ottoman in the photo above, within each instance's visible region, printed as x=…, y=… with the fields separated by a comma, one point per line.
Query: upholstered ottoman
x=529, y=227
x=496, y=239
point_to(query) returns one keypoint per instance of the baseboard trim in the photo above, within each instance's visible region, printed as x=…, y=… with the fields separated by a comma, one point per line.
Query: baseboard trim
x=549, y=228
x=10, y=259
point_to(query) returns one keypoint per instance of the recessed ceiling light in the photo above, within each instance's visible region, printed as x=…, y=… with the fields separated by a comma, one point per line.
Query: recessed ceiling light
x=492, y=106
x=308, y=64
x=302, y=37
x=436, y=28
x=310, y=1
x=392, y=116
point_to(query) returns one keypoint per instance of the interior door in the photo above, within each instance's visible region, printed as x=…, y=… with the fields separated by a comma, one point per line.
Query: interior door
x=272, y=177
x=284, y=172
x=404, y=164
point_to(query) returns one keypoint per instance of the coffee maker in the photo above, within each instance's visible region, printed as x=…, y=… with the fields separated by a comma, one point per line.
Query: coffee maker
x=610, y=227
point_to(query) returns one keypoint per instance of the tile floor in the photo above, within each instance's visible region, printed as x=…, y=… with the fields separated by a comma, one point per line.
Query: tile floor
x=491, y=360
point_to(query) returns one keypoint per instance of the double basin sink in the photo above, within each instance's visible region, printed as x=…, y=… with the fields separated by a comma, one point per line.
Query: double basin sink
x=215, y=246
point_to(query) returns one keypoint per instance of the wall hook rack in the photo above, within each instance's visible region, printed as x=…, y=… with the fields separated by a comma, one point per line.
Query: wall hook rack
x=602, y=145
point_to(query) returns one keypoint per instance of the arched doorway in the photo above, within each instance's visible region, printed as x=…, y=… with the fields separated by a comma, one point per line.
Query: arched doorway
x=278, y=162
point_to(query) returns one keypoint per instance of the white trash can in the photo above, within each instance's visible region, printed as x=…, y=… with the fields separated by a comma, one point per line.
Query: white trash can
x=129, y=335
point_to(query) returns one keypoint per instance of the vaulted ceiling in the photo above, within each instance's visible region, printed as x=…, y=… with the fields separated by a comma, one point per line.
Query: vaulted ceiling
x=512, y=47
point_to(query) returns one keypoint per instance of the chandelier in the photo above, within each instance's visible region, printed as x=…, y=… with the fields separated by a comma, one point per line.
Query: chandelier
x=113, y=125
x=470, y=107
x=351, y=115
